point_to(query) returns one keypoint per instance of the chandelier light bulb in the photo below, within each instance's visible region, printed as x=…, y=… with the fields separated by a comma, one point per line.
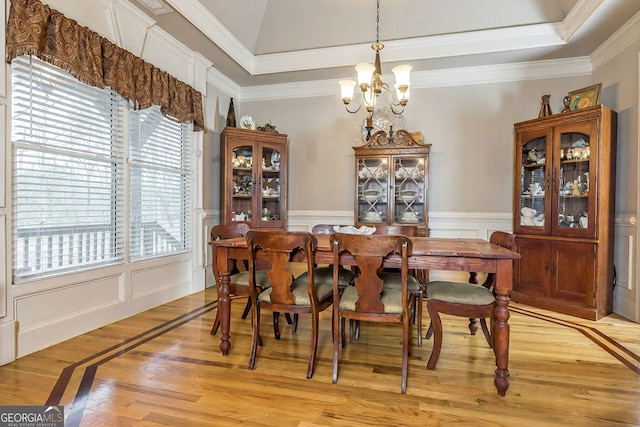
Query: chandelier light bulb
x=346, y=88
x=365, y=74
x=403, y=74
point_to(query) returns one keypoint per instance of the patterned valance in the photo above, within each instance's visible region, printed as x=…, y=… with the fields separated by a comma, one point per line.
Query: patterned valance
x=36, y=29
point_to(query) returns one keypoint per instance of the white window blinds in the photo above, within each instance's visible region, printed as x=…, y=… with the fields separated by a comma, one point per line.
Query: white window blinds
x=67, y=172
x=69, y=181
x=160, y=168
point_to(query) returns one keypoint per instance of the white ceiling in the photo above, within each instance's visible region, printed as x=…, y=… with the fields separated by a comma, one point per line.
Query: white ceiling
x=259, y=42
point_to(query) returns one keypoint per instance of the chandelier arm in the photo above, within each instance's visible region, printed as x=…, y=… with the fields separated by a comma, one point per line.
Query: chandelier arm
x=354, y=111
x=392, y=102
x=394, y=111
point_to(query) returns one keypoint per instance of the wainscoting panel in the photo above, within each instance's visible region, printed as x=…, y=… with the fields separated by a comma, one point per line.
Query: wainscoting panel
x=625, y=293
x=155, y=279
x=3, y=268
x=48, y=317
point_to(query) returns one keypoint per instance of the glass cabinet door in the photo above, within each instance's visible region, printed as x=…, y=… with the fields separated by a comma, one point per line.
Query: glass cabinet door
x=556, y=174
x=575, y=202
x=242, y=176
x=408, y=190
x=534, y=159
x=372, y=188
x=271, y=194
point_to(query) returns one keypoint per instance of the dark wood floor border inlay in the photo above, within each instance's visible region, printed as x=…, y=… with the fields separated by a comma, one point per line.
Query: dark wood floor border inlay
x=74, y=415
x=611, y=346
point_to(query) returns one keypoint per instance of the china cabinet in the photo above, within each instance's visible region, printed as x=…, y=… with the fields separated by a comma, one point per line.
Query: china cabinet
x=253, y=167
x=564, y=211
x=392, y=180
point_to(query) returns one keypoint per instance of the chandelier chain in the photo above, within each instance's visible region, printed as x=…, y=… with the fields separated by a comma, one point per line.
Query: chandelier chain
x=378, y=22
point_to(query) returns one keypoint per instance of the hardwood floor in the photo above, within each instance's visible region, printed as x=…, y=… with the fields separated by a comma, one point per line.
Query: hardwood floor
x=162, y=368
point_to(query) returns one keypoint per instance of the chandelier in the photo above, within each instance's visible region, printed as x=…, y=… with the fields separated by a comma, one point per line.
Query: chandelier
x=371, y=84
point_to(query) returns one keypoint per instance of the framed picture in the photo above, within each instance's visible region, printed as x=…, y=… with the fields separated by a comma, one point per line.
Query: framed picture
x=585, y=97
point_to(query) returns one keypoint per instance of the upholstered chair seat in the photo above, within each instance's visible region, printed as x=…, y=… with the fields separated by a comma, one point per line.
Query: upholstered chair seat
x=299, y=291
x=324, y=275
x=460, y=293
x=464, y=299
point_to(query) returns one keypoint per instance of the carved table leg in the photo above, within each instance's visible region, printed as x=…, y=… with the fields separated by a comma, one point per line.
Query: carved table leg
x=224, y=302
x=501, y=326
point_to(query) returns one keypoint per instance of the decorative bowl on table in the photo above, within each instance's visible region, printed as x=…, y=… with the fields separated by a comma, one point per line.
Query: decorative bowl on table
x=350, y=229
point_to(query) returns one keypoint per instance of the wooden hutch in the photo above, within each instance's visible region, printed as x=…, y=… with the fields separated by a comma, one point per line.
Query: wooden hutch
x=253, y=166
x=563, y=210
x=392, y=180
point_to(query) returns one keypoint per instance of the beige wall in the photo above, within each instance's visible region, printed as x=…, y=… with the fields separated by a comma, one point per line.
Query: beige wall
x=619, y=80
x=470, y=129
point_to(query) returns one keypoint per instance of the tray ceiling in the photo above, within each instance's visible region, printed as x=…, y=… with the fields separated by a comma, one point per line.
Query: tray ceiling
x=259, y=42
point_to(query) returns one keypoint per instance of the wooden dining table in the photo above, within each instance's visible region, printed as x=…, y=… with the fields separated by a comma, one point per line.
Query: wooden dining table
x=429, y=253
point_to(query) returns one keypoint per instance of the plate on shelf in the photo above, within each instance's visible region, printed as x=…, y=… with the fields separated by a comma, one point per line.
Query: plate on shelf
x=246, y=122
x=409, y=217
x=372, y=217
x=371, y=195
x=407, y=195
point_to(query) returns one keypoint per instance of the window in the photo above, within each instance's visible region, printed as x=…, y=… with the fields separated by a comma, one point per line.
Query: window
x=69, y=175
x=160, y=184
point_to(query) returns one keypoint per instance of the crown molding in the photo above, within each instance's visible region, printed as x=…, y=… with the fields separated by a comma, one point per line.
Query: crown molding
x=627, y=34
x=434, y=78
x=223, y=83
x=578, y=16
x=206, y=22
x=471, y=43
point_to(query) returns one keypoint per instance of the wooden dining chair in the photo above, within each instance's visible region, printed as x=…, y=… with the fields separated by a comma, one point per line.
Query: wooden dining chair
x=370, y=299
x=464, y=299
x=239, y=280
x=325, y=274
x=417, y=278
x=285, y=293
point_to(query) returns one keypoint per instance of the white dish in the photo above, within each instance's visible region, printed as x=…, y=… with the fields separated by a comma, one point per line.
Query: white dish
x=372, y=217
x=409, y=216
